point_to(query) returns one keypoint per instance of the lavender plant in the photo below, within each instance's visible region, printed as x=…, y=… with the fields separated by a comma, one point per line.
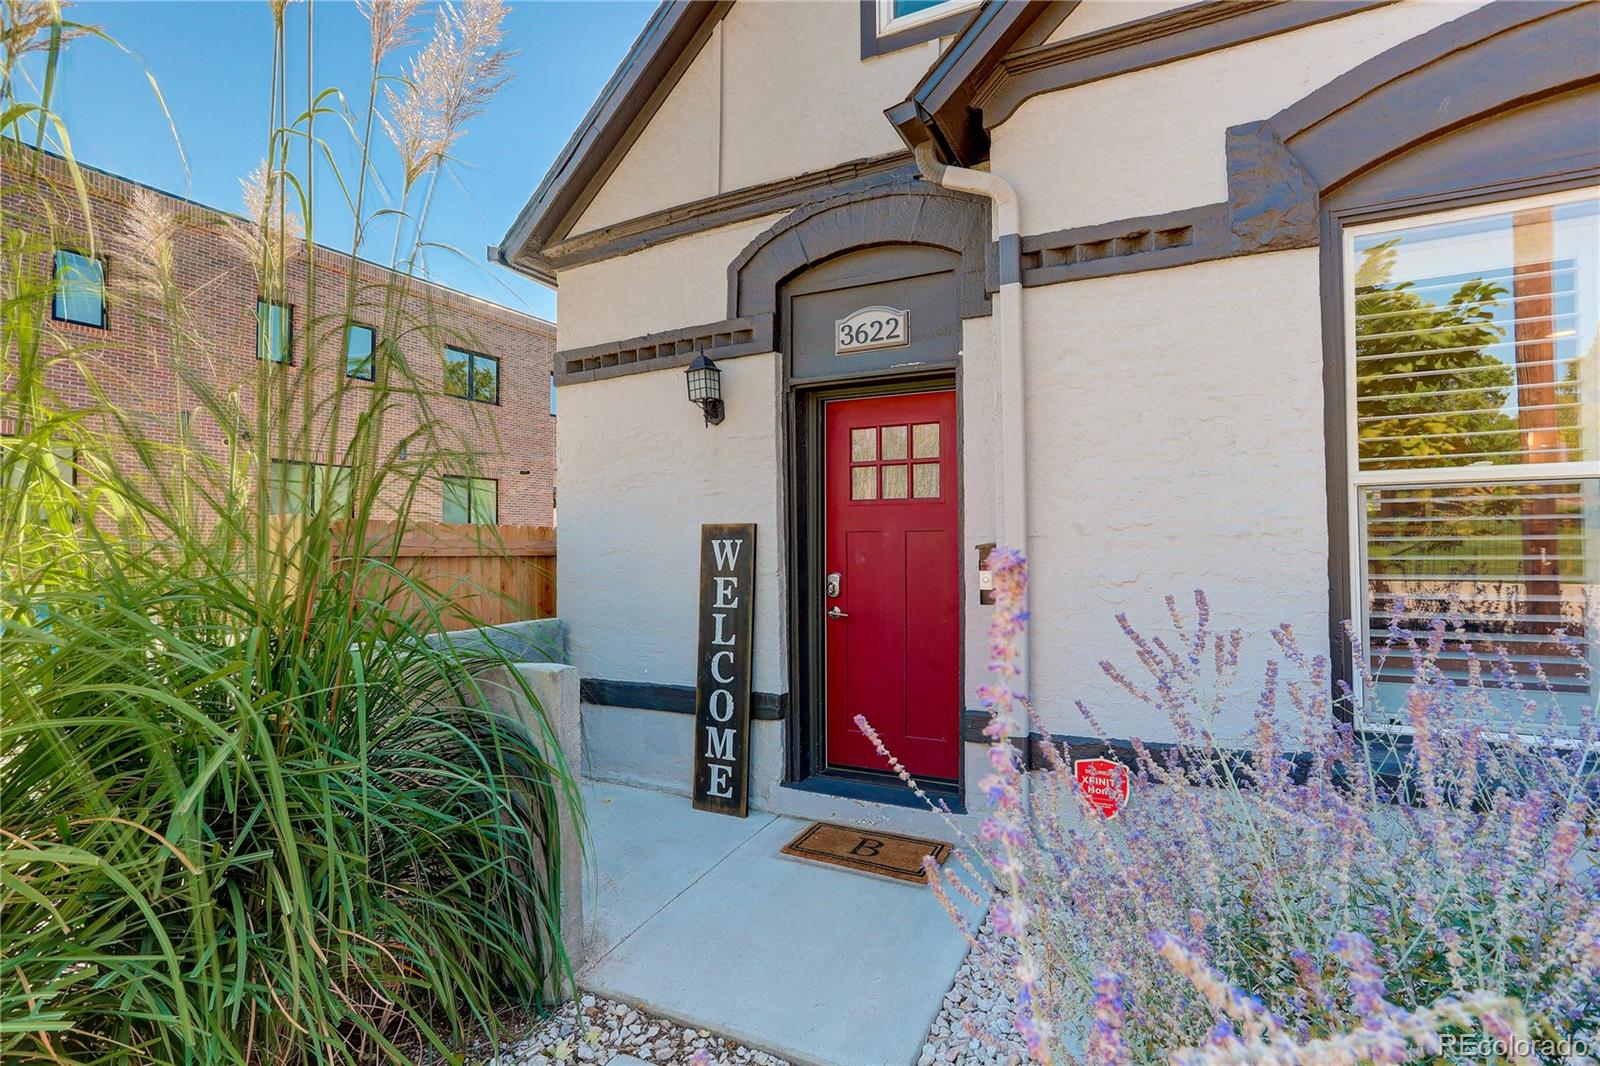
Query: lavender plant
x=1307, y=892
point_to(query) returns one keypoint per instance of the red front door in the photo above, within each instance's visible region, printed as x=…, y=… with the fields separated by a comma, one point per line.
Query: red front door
x=893, y=629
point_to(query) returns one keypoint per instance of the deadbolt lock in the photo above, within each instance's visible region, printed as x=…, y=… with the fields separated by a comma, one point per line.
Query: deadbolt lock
x=833, y=584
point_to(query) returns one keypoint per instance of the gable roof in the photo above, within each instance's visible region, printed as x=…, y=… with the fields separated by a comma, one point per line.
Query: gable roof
x=658, y=58
x=939, y=109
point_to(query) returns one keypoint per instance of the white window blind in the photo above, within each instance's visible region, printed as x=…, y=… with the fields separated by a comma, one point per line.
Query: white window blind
x=1475, y=463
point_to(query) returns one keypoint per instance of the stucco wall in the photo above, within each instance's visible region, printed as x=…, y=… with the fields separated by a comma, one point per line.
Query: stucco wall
x=667, y=286
x=1153, y=140
x=778, y=89
x=640, y=473
x=1175, y=443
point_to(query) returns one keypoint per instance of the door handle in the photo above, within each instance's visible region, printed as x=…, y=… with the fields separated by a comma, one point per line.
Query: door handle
x=834, y=612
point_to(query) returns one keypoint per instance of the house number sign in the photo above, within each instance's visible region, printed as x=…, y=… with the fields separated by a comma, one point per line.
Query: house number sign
x=872, y=328
x=722, y=675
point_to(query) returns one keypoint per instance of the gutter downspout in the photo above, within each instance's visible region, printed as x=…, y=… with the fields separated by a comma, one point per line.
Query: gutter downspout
x=1007, y=227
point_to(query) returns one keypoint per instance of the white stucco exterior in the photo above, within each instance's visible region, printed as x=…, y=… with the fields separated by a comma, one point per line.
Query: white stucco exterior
x=1153, y=140
x=1174, y=420
x=714, y=132
x=649, y=474
x=1175, y=443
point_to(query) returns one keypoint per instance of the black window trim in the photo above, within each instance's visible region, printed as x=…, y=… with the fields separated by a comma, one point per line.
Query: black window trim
x=473, y=357
x=55, y=274
x=372, y=363
x=469, y=479
x=288, y=354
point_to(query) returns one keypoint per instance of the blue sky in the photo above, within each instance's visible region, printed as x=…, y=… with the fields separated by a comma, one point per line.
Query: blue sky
x=213, y=61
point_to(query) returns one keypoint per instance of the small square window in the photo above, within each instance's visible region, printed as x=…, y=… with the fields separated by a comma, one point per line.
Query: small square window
x=925, y=441
x=925, y=481
x=894, y=442
x=80, y=289
x=471, y=376
x=360, y=343
x=274, y=327
x=864, y=483
x=863, y=445
x=894, y=482
x=470, y=501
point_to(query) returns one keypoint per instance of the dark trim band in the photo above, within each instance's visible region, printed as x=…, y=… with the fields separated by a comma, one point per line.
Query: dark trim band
x=1182, y=33
x=726, y=209
x=1150, y=242
x=727, y=339
x=673, y=699
x=906, y=212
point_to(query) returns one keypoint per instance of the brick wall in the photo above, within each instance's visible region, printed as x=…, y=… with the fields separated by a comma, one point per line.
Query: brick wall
x=134, y=360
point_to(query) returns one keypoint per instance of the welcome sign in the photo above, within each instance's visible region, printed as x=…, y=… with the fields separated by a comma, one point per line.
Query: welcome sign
x=722, y=677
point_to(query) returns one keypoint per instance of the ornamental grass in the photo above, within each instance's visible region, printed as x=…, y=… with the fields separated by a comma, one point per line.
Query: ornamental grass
x=251, y=814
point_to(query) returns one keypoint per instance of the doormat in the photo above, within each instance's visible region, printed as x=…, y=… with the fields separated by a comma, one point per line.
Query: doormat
x=888, y=854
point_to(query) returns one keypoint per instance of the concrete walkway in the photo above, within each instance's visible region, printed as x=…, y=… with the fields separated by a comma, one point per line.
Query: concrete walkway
x=700, y=918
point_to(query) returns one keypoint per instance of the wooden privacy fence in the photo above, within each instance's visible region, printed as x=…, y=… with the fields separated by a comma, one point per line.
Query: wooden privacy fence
x=485, y=575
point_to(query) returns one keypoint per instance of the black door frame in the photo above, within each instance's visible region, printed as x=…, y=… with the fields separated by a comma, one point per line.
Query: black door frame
x=805, y=763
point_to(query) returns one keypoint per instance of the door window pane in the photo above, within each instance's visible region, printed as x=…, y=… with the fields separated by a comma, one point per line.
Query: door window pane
x=925, y=441
x=894, y=482
x=863, y=445
x=864, y=483
x=925, y=481
x=894, y=442
x=80, y=289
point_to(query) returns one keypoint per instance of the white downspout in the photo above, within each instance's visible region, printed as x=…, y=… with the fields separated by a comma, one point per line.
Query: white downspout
x=1007, y=227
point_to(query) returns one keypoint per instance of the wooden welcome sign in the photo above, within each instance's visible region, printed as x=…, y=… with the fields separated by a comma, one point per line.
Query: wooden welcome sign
x=722, y=676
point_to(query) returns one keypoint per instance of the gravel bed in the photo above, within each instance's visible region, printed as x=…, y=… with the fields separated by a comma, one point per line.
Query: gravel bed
x=609, y=1028
x=974, y=1026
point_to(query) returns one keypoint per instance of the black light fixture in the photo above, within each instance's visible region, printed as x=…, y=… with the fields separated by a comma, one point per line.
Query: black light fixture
x=705, y=387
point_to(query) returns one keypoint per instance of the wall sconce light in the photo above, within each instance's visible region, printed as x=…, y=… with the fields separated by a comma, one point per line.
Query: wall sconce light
x=705, y=387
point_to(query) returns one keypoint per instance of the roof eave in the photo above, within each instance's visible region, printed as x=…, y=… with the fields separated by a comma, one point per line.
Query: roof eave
x=636, y=81
x=940, y=108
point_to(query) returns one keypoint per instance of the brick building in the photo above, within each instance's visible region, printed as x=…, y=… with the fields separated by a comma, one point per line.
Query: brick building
x=476, y=374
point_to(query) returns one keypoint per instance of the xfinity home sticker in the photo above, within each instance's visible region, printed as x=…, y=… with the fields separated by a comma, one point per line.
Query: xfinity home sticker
x=1104, y=783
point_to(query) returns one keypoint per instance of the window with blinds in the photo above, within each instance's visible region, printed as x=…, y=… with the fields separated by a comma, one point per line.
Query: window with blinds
x=1475, y=465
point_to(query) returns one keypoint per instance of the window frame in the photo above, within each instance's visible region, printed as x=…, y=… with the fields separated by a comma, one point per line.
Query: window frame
x=309, y=471
x=889, y=24
x=472, y=358
x=372, y=355
x=1356, y=480
x=288, y=332
x=55, y=276
x=470, y=480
